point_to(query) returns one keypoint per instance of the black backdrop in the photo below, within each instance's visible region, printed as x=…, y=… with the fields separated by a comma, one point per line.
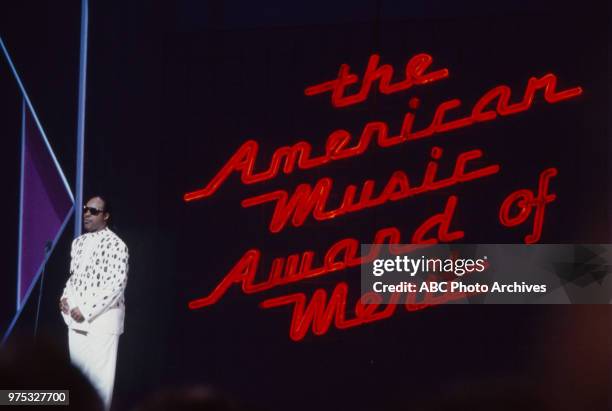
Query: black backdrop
x=174, y=90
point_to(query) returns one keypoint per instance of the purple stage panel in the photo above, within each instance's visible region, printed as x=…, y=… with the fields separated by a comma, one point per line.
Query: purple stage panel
x=46, y=204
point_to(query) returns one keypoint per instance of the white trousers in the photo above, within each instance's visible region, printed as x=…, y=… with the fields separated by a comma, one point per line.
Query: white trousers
x=96, y=356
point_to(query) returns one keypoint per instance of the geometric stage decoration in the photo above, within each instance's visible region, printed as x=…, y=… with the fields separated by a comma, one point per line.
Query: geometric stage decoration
x=46, y=201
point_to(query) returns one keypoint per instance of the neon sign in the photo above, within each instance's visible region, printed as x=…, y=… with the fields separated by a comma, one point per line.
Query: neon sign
x=306, y=200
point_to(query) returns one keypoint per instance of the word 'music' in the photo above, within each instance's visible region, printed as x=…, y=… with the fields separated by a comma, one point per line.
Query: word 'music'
x=308, y=200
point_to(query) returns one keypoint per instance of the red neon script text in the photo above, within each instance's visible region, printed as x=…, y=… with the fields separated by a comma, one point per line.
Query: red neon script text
x=340, y=256
x=307, y=200
x=493, y=103
x=414, y=75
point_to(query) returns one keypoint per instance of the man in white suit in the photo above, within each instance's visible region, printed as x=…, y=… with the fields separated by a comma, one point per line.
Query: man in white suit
x=92, y=303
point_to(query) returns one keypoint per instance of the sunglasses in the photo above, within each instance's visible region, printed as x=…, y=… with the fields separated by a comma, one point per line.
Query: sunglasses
x=92, y=210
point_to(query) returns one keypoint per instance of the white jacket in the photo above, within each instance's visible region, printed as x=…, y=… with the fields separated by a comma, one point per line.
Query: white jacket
x=98, y=277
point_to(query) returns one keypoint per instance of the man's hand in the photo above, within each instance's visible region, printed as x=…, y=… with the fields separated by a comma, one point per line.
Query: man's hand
x=75, y=313
x=64, y=305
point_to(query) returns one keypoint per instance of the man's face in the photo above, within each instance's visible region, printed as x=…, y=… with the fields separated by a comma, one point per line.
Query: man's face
x=98, y=221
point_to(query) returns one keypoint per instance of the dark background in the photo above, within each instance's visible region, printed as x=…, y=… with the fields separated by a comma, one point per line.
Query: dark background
x=174, y=89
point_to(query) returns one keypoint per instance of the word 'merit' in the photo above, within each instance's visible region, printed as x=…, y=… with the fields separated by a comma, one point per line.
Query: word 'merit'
x=337, y=145
x=319, y=313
